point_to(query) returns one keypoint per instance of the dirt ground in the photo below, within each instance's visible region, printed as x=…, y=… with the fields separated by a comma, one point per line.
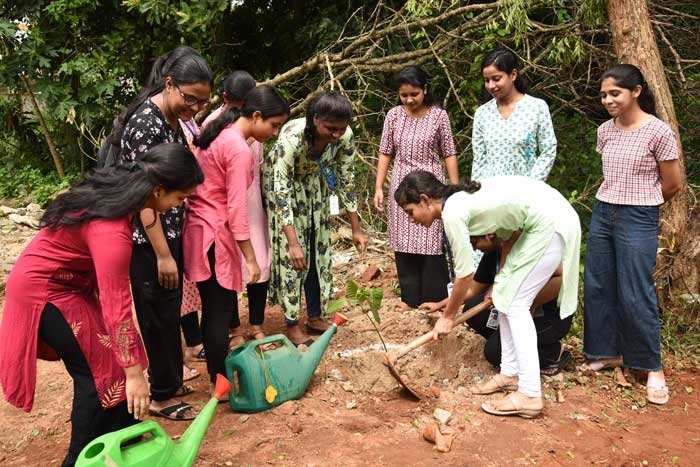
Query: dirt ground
x=353, y=413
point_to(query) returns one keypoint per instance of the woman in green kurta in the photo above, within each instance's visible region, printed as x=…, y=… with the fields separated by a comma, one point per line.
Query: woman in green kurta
x=550, y=236
x=308, y=172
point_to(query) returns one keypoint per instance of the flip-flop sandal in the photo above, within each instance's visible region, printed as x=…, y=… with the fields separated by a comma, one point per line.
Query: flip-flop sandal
x=658, y=394
x=184, y=390
x=600, y=365
x=314, y=330
x=306, y=343
x=480, y=390
x=189, y=373
x=519, y=411
x=201, y=356
x=174, y=412
x=557, y=367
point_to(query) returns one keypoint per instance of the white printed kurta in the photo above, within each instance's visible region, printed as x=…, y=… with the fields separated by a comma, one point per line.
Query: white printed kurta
x=523, y=144
x=297, y=194
x=503, y=205
x=416, y=144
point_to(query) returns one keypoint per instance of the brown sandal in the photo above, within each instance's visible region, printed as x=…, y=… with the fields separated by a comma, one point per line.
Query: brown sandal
x=255, y=332
x=237, y=338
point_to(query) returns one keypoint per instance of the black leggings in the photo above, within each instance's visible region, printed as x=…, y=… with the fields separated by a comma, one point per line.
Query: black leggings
x=88, y=419
x=218, y=306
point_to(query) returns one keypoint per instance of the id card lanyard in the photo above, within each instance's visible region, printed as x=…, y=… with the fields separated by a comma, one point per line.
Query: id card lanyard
x=329, y=175
x=450, y=259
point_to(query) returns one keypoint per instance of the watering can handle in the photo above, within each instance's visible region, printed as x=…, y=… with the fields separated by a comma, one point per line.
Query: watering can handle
x=428, y=336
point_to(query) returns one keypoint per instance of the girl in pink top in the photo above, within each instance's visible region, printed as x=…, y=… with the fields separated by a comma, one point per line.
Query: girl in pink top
x=234, y=87
x=217, y=229
x=68, y=295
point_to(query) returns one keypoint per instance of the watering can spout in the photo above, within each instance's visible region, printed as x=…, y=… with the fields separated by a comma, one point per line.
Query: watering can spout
x=312, y=356
x=186, y=449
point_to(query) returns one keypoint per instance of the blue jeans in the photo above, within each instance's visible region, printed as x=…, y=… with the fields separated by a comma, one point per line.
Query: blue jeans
x=621, y=313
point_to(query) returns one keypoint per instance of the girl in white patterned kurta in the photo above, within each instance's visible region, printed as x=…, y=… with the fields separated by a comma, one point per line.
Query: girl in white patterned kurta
x=512, y=133
x=417, y=135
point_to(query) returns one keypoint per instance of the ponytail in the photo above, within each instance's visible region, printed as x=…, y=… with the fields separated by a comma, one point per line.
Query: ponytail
x=422, y=182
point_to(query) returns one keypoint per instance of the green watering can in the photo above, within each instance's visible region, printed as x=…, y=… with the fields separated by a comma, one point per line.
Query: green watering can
x=150, y=445
x=263, y=379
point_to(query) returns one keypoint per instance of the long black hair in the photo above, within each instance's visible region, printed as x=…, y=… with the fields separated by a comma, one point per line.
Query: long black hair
x=183, y=65
x=629, y=77
x=418, y=77
x=236, y=85
x=116, y=191
x=422, y=182
x=330, y=106
x=264, y=99
x=506, y=61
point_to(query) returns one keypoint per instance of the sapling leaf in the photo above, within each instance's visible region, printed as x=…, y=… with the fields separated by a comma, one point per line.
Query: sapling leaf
x=335, y=305
x=352, y=291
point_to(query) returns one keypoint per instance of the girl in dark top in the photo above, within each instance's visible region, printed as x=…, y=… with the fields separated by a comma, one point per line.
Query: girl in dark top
x=178, y=87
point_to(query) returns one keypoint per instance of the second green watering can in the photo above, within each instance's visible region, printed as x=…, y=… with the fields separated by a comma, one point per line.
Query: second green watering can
x=263, y=379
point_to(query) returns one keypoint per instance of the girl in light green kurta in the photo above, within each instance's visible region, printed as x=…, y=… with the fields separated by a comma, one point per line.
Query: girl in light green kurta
x=550, y=236
x=310, y=168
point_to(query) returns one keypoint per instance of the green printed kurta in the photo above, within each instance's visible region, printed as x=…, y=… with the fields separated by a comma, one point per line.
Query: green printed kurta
x=297, y=193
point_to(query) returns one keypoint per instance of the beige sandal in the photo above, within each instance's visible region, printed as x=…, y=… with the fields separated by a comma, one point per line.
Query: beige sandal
x=237, y=338
x=495, y=384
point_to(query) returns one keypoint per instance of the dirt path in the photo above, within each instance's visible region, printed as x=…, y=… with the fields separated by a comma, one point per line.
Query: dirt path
x=354, y=415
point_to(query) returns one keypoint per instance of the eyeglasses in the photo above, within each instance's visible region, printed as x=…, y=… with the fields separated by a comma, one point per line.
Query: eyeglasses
x=191, y=101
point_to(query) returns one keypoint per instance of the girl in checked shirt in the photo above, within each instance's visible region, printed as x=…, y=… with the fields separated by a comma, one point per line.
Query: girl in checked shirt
x=640, y=172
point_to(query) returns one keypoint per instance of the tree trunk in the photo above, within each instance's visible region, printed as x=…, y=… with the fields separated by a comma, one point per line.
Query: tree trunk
x=635, y=44
x=44, y=127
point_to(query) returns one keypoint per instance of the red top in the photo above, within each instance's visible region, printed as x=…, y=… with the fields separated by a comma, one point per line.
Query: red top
x=84, y=271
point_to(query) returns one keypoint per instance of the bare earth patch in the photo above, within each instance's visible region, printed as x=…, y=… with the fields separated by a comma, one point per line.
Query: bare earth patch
x=354, y=414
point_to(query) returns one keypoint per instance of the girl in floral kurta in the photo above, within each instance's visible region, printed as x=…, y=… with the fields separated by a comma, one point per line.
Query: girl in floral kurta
x=513, y=132
x=417, y=135
x=312, y=160
x=68, y=294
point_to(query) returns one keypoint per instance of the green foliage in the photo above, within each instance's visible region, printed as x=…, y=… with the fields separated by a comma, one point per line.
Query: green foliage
x=366, y=298
x=31, y=184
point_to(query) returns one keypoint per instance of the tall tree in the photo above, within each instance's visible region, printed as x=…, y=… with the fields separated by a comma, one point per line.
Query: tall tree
x=634, y=42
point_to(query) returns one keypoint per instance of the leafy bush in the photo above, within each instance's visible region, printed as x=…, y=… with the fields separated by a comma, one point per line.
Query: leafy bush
x=30, y=184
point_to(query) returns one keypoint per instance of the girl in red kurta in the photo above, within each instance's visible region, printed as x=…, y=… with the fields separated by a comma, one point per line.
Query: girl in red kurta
x=68, y=295
x=217, y=221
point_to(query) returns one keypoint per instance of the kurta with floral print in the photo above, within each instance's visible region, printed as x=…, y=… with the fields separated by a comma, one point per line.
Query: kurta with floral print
x=416, y=143
x=146, y=128
x=297, y=193
x=522, y=144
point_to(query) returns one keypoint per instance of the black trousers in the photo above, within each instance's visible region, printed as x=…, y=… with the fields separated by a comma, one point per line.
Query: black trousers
x=190, y=329
x=422, y=278
x=551, y=329
x=158, y=313
x=88, y=419
x=257, y=300
x=218, y=307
